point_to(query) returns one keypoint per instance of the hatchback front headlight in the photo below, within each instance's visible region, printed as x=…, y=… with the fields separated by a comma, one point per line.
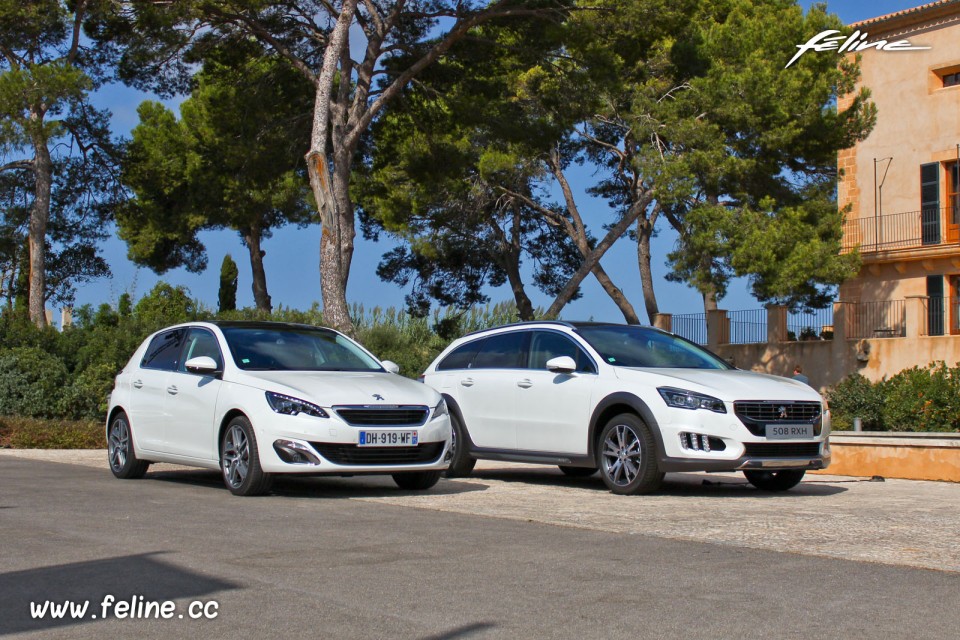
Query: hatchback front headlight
x=290, y=406
x=440, y=410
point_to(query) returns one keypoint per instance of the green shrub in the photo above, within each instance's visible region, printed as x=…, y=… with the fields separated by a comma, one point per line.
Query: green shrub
x=31, y=383
x=88, y=394
x=29, y=433
x=857, y=397
x=923, y=399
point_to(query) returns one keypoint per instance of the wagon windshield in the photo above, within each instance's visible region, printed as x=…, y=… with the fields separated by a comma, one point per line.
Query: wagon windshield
x=631, y=346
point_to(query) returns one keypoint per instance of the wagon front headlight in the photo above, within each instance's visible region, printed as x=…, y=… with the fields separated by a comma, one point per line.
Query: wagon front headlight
x=683, y=399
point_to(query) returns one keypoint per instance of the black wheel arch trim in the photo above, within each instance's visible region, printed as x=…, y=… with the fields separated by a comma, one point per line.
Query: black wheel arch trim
x=637, y=406
x=454, y=409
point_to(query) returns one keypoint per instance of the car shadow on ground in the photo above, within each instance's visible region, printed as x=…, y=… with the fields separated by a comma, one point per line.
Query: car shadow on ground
x=324, y=487
x=134, y=578
x=700, y=485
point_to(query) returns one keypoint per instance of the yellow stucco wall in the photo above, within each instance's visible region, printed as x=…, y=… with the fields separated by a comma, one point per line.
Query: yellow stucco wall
x=918, y=122
x=895, y=457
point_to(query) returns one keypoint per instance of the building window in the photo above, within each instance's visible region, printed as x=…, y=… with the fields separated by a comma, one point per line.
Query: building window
x=951, y=79
x=953, y=191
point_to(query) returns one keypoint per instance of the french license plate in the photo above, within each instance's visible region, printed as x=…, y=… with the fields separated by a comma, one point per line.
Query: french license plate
x=789, y=431
x=388, y=439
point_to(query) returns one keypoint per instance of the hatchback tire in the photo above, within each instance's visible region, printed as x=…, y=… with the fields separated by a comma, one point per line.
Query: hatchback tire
x=120, y=453
x=627, y=456
x=417, y=480
x=240, y=460
x=783, y=480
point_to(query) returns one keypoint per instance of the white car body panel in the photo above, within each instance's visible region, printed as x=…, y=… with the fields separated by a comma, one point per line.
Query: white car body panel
x=553, y=414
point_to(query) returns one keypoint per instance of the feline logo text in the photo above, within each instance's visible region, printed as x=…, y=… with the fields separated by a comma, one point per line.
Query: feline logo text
x=856, y=41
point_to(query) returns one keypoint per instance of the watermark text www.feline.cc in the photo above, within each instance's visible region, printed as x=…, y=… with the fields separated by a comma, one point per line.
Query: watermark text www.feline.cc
x=134, y=608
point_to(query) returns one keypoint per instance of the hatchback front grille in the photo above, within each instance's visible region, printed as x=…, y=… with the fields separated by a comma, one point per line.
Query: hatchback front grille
x=782, y=450
x=757, y=415
x=408, y=416
x=351, y=454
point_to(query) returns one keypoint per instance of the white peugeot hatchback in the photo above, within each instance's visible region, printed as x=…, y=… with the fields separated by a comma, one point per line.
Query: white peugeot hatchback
x=256, y=399
x=633, y=402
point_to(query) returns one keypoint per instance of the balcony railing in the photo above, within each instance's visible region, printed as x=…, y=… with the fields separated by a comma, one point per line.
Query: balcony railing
x=905, y=230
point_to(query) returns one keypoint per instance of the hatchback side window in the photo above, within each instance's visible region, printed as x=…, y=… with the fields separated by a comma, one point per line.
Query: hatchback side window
x=164, y=351
x=201, y=342
x=503, y=351
x=546, y=345
x=461, y=357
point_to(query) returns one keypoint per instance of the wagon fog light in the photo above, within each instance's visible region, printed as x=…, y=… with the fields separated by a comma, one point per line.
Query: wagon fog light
x=295, y=453
x=699, y=442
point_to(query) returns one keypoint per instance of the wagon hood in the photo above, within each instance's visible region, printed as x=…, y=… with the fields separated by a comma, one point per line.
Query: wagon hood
x=730, y=385
x=329, y=388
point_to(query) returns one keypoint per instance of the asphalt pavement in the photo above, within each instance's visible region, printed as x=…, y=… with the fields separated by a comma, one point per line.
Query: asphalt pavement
x=512, y=552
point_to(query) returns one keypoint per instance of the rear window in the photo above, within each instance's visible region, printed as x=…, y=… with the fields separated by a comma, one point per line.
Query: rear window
x=503, y=351
x=461, y=357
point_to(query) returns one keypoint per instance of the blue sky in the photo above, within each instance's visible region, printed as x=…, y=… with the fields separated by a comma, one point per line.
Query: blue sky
x=292, y=255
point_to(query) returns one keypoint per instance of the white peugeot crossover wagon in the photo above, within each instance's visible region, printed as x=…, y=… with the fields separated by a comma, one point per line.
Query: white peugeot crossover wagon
x=255, y=399
x=634, y=402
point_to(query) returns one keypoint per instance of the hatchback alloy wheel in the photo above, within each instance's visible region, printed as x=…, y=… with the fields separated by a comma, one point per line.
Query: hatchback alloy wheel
x=236, y=457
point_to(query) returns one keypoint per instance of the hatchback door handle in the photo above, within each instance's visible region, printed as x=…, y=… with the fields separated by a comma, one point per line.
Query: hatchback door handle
x=467, y=382
x=525, y=383
x=172, y=390
x=137, y=384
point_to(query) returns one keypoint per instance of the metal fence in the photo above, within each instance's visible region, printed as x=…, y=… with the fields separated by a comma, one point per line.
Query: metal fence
x=747, y=327
x=811, y=325
x=882, y=319
x=904, y=230
x=692, y=326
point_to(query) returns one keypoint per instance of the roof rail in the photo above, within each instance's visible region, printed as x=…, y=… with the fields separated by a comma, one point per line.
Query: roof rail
x=522, y=324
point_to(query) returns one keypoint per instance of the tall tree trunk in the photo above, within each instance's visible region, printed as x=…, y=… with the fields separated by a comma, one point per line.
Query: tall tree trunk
x=616, y=294
x=644, y=233
x=261, y=298
x=336, y=251
x=39, y=217
x=336, y=239
x=709, y=300
x=511, y=264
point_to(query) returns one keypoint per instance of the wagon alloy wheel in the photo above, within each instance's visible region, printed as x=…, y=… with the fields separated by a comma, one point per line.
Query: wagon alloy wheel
x=236, y=457
x=622, y=453
x=120, y=452
x=627, y=456
x=240, y=460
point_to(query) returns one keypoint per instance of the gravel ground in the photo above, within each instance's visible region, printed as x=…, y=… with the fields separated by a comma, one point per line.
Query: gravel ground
x=897, y=522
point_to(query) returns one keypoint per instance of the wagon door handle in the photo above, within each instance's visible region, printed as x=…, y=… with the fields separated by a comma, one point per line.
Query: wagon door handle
x=467, y=382
x=172, y=389
x=524, y=383
x=137, y=384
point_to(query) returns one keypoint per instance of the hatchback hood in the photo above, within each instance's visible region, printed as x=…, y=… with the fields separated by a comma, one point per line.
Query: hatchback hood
x=330, y=388
x=730, y=385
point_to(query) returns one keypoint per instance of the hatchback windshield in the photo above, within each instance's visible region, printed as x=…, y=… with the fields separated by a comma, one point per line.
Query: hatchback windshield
x=295, y=349
x=626, y=346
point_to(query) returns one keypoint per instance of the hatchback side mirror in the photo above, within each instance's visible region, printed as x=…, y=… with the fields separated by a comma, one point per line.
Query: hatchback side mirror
x=562, y=364
x=391, y=366
x=204, y=365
